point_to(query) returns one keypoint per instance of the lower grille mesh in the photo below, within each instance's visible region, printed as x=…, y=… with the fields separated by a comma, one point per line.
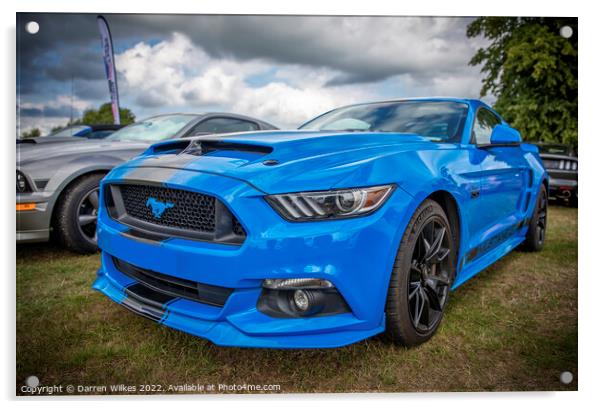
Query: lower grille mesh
x=174, y=286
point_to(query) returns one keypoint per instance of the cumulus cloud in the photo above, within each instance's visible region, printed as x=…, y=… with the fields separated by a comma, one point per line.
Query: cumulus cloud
x=49, y=114
x=284, y=69
x=60, y=106
x=44, y=124
x=363, y=49
x=177, y=73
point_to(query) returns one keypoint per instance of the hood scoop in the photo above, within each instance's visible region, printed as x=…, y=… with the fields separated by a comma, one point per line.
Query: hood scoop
x=209, y=148
x=201, y=148
x=224, y=148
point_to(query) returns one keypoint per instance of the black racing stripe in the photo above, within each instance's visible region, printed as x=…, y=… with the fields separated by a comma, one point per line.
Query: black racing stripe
x=150, y=172
x=146, y=311
x=164, y=318
x=148, y=296
x=168, y=303
x=146, y=302
x=493, y=242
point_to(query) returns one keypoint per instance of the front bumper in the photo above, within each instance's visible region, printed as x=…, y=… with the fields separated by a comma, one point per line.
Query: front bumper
x=356, y=255
x=559, y=184
x=562, y=188
x=33, y=225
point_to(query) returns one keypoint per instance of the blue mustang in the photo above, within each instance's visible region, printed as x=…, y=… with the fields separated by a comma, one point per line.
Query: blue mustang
x=360, y=222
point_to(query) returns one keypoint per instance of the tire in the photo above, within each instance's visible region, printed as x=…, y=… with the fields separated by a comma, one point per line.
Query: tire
x=401, y=307
x=77, y=202
x=573, y=199
x=536, y=234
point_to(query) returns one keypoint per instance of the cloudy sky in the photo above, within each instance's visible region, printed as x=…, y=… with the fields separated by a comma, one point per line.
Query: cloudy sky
x=283, y=69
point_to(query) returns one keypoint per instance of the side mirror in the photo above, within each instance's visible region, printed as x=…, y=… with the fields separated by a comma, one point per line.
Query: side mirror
x=503, y=135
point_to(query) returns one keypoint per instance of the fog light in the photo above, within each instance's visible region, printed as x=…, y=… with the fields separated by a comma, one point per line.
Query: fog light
x=300, y=297
x=301, y=300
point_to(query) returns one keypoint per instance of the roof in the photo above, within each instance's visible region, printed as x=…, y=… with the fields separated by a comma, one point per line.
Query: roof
x=470, y=101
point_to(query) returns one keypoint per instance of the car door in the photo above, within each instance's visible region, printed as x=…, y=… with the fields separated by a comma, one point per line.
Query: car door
x=221, y=124
x=504, y=178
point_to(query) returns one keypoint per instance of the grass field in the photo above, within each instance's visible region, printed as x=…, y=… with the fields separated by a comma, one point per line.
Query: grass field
x=514, y=327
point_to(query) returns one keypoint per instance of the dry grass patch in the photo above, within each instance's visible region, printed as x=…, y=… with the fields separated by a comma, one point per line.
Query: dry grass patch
x=513, y=327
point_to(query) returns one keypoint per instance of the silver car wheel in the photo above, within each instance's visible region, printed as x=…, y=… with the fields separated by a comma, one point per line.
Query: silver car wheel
x=87, y=215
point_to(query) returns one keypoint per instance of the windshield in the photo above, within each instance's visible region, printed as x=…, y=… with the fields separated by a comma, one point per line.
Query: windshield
x=152, y=129
x=71, y=131
x=440, y=121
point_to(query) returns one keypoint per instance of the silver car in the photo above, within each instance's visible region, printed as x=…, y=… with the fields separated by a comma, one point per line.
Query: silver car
x=57, y=184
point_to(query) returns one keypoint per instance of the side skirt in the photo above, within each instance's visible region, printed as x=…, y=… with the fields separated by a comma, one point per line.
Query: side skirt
x=488, y=259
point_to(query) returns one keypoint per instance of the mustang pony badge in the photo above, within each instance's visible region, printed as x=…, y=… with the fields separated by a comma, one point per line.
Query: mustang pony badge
x=158, y=207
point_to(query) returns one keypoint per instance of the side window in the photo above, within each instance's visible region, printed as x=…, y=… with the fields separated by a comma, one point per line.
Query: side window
x=223, y=125
x=483, y=126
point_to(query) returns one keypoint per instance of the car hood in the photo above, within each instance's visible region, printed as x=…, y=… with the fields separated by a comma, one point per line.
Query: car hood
x=277, y=162
x=33, y=152
x=51, y=139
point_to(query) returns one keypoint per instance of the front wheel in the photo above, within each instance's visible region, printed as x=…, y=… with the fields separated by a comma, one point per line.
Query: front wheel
x=76, y=215
x=422, y=276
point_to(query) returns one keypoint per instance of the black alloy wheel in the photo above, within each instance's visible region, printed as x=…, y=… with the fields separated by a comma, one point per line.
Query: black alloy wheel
x=422, y=276
x=542, y=216
x=429, y=278
x=536, y=234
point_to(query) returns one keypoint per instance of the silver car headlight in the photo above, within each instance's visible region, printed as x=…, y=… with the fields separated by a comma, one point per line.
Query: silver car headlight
x=330, y=204
x=22, y=183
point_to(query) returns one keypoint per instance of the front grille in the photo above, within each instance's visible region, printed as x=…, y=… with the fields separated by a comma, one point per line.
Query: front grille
x=175, y=286
x=237, y=228
x=190, y=211
x=560, y=164
x=159, y=213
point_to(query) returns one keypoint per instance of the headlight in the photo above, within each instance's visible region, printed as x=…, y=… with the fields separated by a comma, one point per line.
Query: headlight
x=330, y=204
x=22, y=184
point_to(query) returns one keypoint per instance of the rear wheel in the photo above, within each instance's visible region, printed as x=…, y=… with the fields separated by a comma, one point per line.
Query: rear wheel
x=536, y=234
x=422, y=276
x=76, y=215
x=573, y=199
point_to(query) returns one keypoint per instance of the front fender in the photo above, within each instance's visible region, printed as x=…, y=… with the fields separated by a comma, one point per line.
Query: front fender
x=422, y=173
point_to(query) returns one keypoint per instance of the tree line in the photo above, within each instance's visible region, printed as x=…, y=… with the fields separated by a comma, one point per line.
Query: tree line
x=530, y=68
x=100, y=116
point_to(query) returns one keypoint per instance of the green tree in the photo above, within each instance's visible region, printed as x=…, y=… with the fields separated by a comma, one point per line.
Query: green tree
x=33, y=133
x=531, y=70
x=104, y=115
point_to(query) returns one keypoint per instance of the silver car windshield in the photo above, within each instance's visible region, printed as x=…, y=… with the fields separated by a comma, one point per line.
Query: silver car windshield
x=70, y=131
x=152, y=129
